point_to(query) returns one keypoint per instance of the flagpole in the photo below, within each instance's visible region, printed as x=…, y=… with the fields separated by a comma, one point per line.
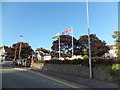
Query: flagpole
x=72, y=41
x=59, y=48
x=88, y=23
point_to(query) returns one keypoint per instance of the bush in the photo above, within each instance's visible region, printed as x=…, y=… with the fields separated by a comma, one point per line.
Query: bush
x=85, y=57
x=75, y=61
x=116, y=66
x=101, y=61
x=85, y=62
x=113, y=72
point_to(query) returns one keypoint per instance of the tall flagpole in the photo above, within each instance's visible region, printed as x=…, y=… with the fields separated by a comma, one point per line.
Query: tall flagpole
x=88, y=23
x=72, y=41
x=59, y=47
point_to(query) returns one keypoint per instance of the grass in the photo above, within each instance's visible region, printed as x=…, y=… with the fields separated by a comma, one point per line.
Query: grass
x=33, y=67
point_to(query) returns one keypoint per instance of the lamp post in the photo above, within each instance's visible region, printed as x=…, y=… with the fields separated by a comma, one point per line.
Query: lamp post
x=88, y=23
x=15, y=55
x=15, y=52
x=20, y=46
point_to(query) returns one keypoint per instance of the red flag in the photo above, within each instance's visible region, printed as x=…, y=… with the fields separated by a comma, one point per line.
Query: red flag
x=67, y=31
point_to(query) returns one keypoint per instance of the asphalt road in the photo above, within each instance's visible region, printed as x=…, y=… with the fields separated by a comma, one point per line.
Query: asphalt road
x=21, y=78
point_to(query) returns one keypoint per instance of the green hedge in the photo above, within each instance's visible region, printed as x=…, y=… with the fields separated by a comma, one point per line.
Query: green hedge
x=113, y=72
x=95, y=61
x=75, y=61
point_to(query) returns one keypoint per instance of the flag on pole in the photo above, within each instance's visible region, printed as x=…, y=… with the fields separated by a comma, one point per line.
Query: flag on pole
x=56, y=36
x=67, y=31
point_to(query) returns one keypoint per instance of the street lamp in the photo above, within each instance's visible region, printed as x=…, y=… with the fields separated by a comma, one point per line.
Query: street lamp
x=15, y=55
x=20, y=46
x=15, y=52
x=88, y=23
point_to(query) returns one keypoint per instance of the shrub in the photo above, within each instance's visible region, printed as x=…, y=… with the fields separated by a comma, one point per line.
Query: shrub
x=85, y=62
x=101, y=61
x=113, y=72
x=85, y=57
x=75, y=62
x=116, y=66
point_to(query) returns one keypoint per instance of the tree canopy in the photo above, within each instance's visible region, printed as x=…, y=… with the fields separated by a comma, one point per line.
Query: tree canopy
x=98, y=47
x=43, y=50
x=65, y=44
x=117, y=42
x=25, y=50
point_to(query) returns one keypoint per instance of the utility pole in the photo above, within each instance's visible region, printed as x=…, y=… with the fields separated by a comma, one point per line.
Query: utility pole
x=59, y=48
x=88, y=23
x=72, y=43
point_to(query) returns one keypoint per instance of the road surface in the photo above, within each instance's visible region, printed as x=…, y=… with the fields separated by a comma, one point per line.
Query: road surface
x=22, y=78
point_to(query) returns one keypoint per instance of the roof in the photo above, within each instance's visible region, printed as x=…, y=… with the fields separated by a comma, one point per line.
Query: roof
x=5, y=49
x=111, y=46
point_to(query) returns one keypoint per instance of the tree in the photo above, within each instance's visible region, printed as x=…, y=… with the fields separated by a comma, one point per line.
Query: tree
x=1, y=47
x=85, y=54
x=10, y=52
x=26, y=50
x=117, y=43
x=98, y=47
x=65, y=45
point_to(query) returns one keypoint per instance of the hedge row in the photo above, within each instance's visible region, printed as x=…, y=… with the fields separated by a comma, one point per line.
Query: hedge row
x=85, y=62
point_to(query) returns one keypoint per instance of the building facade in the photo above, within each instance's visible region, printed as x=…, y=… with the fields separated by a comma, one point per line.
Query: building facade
x=111, y=53
x=2, y=53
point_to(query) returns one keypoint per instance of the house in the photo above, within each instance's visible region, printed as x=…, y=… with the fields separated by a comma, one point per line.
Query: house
x=43, y=56
x=75, y=57
x=3, y=52
x=111, y=53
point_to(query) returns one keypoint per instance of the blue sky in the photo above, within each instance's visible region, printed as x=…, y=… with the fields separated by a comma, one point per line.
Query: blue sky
x=39, y=21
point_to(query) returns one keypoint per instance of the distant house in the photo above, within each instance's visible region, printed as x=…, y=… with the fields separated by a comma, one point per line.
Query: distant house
x=3, y=52
x=75, y=57
x=111, y=53
x=43, y=56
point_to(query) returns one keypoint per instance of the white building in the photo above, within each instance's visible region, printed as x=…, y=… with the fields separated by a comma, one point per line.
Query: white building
x=111, y=53
x=2, y=53
x=75, y=57
x=43, y=56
